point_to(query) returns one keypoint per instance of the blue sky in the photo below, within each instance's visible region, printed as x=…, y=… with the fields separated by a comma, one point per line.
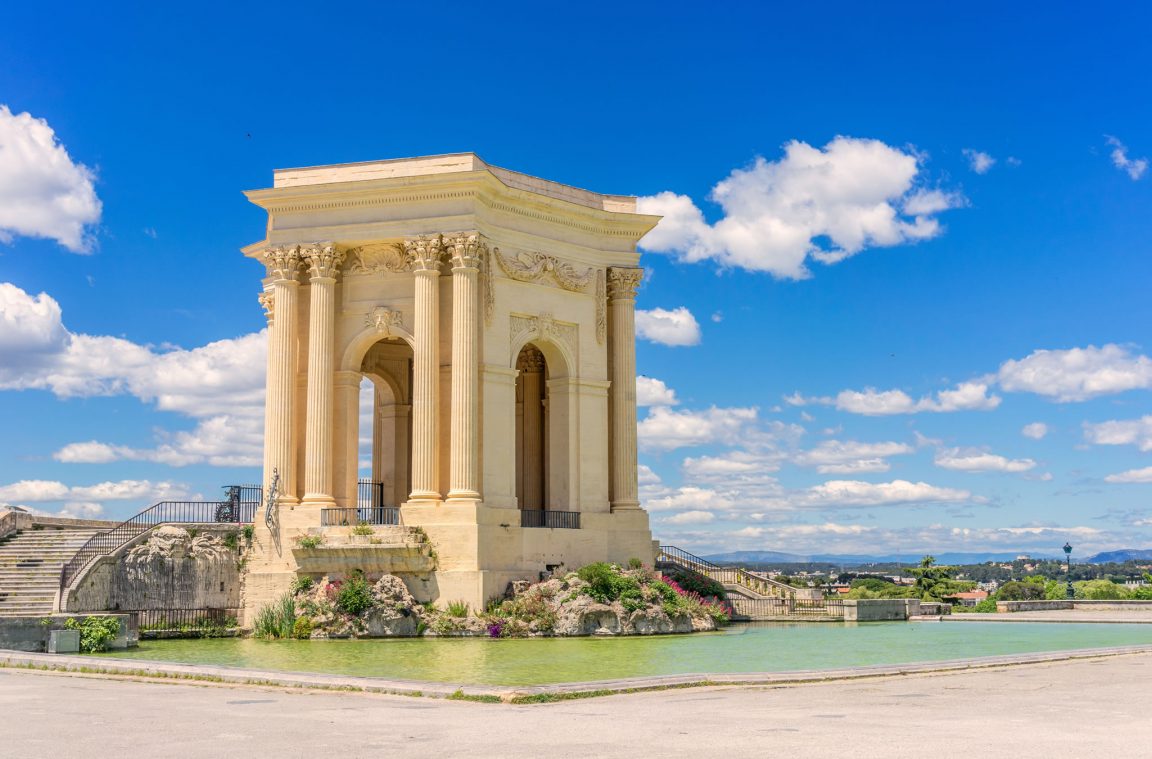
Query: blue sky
x=894, y=240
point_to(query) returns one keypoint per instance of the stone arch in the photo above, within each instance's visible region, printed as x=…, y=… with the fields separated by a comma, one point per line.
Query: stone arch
x=558, y=356
x=376, y=331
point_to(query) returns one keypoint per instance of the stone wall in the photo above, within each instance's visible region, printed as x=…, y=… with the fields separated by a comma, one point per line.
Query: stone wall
x=880, y=609
x=31, y=633
x=1079, y=605
x=168, y=568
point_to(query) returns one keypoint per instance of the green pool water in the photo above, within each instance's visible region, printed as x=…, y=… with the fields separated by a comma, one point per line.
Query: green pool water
x=755, y=647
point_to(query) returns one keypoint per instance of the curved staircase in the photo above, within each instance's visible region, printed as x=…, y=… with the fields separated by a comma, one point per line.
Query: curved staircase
x=30, y=564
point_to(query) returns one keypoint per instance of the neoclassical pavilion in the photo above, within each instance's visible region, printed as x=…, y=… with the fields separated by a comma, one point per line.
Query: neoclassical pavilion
x=493, y=313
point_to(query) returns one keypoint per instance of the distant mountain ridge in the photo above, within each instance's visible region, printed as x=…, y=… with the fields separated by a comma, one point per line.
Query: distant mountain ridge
x=778, y=557
x=1120, y=556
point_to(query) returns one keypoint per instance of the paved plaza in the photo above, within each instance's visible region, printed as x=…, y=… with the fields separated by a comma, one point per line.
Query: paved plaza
x=1081, y=708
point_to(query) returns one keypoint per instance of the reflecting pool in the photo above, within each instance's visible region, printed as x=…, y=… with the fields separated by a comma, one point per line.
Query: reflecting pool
x=753, y=647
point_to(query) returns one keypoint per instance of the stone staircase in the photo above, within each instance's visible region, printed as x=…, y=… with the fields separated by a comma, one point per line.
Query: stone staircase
x=30, y=564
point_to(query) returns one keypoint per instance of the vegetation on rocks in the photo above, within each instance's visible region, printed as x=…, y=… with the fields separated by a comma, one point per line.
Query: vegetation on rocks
x=599, y=599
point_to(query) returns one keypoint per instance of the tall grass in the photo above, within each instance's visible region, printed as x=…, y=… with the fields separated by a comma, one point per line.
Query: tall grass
x=276, y=619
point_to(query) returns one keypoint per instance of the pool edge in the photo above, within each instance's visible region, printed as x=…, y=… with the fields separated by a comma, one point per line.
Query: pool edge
x=196, y=673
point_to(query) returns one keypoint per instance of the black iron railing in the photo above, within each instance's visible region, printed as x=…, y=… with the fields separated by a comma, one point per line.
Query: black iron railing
x=370, y=494
x=362, y=515
x=565, y=520
x=754, y=581
x=177, y=619
x=238, y=507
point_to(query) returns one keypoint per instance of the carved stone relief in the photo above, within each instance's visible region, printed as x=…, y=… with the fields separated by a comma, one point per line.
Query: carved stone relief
x=384, y=319
x=527, y=328
x=377, y=258
x=537, y=267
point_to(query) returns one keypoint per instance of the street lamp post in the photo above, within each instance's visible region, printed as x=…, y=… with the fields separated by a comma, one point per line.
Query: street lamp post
x=1068, y=553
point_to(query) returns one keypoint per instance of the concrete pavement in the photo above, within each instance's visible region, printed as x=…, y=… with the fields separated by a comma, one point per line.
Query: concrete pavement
x=1078, y=708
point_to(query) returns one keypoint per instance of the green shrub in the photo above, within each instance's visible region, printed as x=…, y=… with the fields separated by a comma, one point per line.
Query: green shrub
x=458, y=609
x=635, y=563
x=231, y=541
x=277, y=619
x=302, y=629
x=301, y=585
x=363, y=529
x=249, y=531
x=354, y=596
x=310, y=541
x=96, y=633
x=1020, y=591
x=987, y=606
x=605, y=582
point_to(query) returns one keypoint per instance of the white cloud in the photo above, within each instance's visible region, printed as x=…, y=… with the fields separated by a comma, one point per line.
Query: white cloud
x=665, y=429
x=979, y=161
x=823, y=204
x=1131, y=476
x=980, y=461
x=39, y=491
x=1133, y=167
x=689, y=498
x=677, y=327
x=850, y=457
x=81, y=510
x=1077, y=374
x=854, y=493
x=653, y=392
x=220, y=384
x=691, y=517
x=967, y=396
x=1137, y=432
x=1035, y=430
x=43, y=193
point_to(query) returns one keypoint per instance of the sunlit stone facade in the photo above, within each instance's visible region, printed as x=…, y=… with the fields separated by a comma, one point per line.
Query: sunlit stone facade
x=493, y=314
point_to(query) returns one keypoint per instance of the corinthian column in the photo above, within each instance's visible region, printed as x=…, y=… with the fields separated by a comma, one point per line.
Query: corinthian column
x=283, y=264
x=324, y=262
x=424, y=257
x=622, y=283
x=463, y=480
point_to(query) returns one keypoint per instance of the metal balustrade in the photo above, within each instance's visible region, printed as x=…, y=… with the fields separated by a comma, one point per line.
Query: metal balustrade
x=382, y=515
x=238, y=507
x=565, y=520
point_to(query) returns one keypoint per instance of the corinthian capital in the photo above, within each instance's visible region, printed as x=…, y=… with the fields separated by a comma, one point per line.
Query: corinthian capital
x=282, y=262
x=466, y=249
x=268, y=301
x=424, y=252
x=323, y=259
x=623, y=281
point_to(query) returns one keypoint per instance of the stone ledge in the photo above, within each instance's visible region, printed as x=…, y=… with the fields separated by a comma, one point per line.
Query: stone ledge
x=531, y=694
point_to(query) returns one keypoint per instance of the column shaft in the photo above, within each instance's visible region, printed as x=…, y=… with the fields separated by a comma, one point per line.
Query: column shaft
x=324, y=262
x=280, y=399
x=425, y=255
x=622, y=283
x=463, y=481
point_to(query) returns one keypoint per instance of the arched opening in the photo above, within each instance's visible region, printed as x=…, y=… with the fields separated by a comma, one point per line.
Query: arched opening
x=531, y=429
x=384, y=440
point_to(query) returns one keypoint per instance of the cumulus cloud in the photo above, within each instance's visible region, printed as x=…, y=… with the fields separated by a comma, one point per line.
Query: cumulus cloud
x=675, y=327
x=1131, y=476
x=967, y=396
x=1137, y=432
x=1078, y=374
x=855, y=493
x=980, y=461
x=221, y=384
x=979, y=161
x=43, y=192
x=653, y=392
x=691, y=517
x=40, y=491
x=850, y=457
x=1133, y=167
x=1035, y=430
x=665, y=429
x=815, y=203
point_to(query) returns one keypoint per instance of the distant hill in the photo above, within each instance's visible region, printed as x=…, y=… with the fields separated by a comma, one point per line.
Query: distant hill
x=1121, y=556
x=778, y=557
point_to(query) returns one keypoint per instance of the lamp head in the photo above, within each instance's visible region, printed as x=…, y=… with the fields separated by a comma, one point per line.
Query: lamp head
x=1067, y=548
